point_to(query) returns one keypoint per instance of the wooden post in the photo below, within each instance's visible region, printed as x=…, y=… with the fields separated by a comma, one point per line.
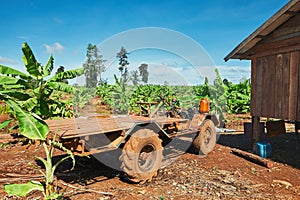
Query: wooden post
x=255, y=133
x=149, y=108
x=140, y=106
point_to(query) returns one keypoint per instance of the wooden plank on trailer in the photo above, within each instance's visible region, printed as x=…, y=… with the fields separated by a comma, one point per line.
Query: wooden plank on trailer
x=79, y=127
x=293, y=93
x=285, y=86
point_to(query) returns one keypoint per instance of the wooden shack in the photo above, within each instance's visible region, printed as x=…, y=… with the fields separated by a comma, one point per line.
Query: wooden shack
x=274, y=51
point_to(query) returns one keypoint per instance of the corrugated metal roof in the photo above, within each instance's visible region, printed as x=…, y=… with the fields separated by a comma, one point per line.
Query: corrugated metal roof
x=279, y=18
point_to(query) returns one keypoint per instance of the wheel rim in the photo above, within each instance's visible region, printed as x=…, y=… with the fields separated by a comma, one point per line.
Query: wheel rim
x=146, y=157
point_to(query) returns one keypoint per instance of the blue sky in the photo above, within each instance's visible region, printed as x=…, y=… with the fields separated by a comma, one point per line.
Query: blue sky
x=64, y=28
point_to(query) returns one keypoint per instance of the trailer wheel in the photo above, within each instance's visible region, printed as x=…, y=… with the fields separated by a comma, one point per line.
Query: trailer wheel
x=142, y=156
x=205, y=141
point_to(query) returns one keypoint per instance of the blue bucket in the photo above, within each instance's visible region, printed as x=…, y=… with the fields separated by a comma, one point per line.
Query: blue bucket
x=264, y=149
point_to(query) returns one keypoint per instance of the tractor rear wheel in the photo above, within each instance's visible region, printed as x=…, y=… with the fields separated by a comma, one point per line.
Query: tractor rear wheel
x=206, y=139
x=142, y=156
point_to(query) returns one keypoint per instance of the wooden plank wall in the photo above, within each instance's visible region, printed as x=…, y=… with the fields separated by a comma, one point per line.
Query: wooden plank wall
x=275, y=86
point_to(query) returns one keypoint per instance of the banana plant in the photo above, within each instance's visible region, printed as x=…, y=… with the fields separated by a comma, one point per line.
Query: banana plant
x=33, y=89
x=81, y=97
x=121, y=96
x=105, y=92
x=33, y=127
x=238, y=97
x=28, y=95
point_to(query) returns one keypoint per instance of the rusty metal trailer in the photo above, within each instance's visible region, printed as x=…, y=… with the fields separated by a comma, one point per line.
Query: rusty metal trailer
x=142, y=139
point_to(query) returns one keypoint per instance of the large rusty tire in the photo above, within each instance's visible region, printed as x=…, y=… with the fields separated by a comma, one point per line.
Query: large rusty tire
x=142, y=156
x=206, y=139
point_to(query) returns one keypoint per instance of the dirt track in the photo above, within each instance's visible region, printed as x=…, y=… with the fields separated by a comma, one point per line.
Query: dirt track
x=220, y=175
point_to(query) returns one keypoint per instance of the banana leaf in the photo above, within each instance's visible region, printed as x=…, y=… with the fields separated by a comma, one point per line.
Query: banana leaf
x=23, y=189
x=31, y=126
x=47, y=69
x=5, y=124
x=10, y=71
x=19, y=95
x=60, y=86
x=70, y=74
x=31, y=64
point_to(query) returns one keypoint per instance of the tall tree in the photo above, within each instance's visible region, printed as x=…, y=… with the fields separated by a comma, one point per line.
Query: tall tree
x=135, y=77
x=94, y=66
x=143, y=68
x=123, y=63
x=121, y=92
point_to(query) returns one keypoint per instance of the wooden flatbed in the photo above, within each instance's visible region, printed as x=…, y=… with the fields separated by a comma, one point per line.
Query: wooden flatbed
x=96, y=134
x=85, y=126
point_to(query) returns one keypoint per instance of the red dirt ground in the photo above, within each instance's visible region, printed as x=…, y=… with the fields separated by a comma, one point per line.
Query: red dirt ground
x=220, y=175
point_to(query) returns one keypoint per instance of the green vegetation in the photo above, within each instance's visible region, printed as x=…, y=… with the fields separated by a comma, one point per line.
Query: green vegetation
x=33, y=90
x=238, y=97
x=121, y=96
x=29, y=98
x=33, y=127
x=81, y=97
x=105, y=92
x=224, y=96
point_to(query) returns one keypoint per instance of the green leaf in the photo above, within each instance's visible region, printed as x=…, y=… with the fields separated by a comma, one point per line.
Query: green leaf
x=48, y=67
x=67, y=75
x=23, y=189
x=5, y=124
x=116, y=80
x=22, y=96
x=11, y=71
x=30, y=103
x=12, y=87
x=30, y=126
x=7, y=80
x=31, y=64
x=60, y=86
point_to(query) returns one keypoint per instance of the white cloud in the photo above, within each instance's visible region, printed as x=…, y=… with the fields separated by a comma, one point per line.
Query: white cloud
x=7, y=60
x=234, y=73
x=185, y=75
x=54, y=48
